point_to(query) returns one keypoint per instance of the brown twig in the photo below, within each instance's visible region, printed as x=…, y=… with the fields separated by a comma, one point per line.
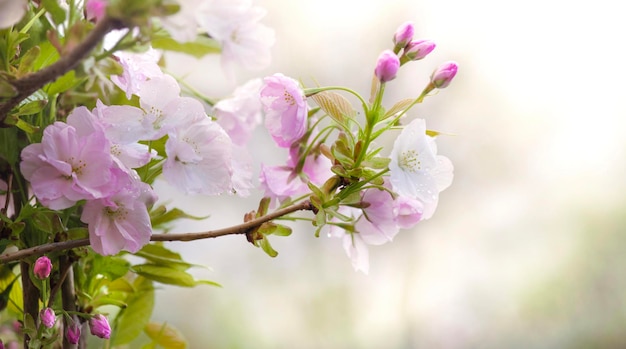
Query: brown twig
x=29, y=84
x=237, y=229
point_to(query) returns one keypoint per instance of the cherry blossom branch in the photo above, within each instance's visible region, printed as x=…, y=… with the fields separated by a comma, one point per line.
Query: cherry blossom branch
x=29, y=84
x=237, y=229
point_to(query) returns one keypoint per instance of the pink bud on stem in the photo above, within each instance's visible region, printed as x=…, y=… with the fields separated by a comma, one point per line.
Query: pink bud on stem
x=387, y=66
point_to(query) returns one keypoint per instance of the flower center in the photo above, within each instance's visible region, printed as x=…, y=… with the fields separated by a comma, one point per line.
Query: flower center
x=289, y=98
x=118, y=214
x=409, y=161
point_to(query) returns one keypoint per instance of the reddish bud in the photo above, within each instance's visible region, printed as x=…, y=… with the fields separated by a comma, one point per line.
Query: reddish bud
x=47, y=317
x=42, y=267
x=73, y=333
x=99, y=326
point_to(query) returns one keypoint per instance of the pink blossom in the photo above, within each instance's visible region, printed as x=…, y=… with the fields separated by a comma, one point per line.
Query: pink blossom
x=68, y=165
x=281, y=182
x=242, y=171
x=199, y=158
x=240, y=114
x=124, y=126
x=99, y=326
x=138, y=67
x=285, y=109
x=42, y=267
x=120, y=221
x=387, y=66
x=95, y=9
x=443, y=75
x=164, y=109
x=378, y=224
x=235, y=24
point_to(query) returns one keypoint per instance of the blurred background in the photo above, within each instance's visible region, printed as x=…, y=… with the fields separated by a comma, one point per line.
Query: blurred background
x=527, y=248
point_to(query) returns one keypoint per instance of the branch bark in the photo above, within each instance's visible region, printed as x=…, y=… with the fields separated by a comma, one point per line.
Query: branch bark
x=29, y=84
x=237, y=229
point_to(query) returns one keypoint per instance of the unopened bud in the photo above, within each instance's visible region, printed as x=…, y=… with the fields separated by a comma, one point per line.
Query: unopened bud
x=73, y=333
x=403, y=35
x=47, y=317
x=443, y=75
x=387, y=66
x=99, y=326
x=42, y=267
x=419, y=49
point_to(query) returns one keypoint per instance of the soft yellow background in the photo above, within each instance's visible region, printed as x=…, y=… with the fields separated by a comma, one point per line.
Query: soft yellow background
x=527, y=248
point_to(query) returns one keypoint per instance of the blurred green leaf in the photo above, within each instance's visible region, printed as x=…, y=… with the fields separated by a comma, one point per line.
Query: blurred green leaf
x=27, y=61
x=6, y=89
x=32, y=107
x=110, y=267
x=158, y=217
x=165, y=335
x=10, y=291
x=160, y=255
x=167, y=275
x=202, y=46
x=55, y=10
x=63, y=83
x=136, y=315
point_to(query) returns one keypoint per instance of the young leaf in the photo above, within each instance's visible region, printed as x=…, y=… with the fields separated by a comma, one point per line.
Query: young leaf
x=136, y=315
x=165, y=335
x=167, y=275
x=202, y=46
x=398, y=107
x=335, y=105
x=267, y=248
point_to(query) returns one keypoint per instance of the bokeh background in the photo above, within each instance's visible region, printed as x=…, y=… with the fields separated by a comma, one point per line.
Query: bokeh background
x=528, y=246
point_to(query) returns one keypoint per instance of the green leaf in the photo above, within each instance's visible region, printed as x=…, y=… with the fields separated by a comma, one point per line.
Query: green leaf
x=110, y=267
x=165, y=335
x=267, y=248
x=32, y=107
x=202, y=46
x=132, y=319
x=398, y=107
x=167, y=275
x=47, y=55
x=10, y=292
x=160, y=217
x=377, y=163
x=27, y=61
x=335, y=105
x=160, y=255
x=55, y=10
x=63, y=83
x=6, y=89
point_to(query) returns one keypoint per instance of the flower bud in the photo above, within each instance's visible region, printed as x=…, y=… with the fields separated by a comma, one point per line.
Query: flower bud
x=99, y=326
x=47, y=317
x=403, y=35
x=443, y=75
x=419, y=49
x=73, y=333
x=42, y=267
x=387, y=66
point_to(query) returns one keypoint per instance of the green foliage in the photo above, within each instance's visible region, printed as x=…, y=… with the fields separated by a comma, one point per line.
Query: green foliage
x=132, y=319
x=198, y=48
x=165, y=336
